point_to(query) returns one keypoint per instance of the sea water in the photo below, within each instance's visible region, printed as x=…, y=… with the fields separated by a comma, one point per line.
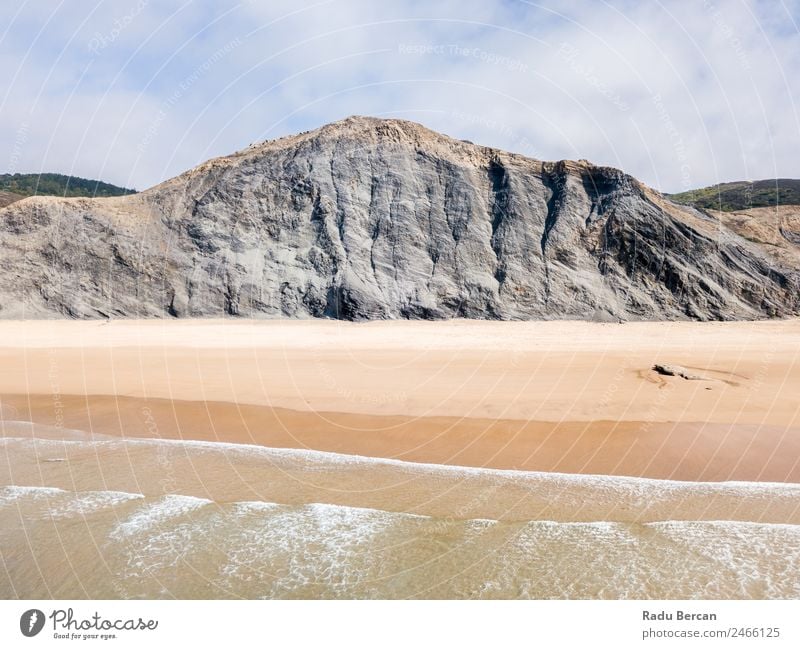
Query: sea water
x=148, y=518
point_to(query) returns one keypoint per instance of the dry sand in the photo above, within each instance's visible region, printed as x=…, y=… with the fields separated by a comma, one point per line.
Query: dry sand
x=550, y=396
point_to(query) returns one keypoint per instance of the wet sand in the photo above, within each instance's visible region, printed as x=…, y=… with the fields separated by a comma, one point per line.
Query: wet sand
x=675, y=451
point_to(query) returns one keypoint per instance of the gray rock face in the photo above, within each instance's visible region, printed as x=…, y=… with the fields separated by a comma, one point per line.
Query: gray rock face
x=369, y=218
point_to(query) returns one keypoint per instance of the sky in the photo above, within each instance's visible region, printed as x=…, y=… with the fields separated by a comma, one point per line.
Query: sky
x=680, y=94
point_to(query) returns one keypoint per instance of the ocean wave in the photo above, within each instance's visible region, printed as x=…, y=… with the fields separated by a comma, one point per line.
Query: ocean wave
x=348, y=460
x=235, y=473
x=175, y=546
x=61, y=503
x=156, y=513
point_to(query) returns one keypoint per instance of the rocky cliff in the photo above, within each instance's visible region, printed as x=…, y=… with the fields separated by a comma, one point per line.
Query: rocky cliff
x=369, y=218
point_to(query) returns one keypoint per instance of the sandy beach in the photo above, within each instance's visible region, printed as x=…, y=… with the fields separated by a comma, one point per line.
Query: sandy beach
x=545, y=396
x=458, y=459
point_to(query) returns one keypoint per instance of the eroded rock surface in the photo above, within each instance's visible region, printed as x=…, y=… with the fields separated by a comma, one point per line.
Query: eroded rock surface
x=369, y=218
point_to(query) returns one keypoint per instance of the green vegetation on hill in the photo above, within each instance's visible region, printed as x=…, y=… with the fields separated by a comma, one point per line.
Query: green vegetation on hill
x=742, y=195
x=58, y=185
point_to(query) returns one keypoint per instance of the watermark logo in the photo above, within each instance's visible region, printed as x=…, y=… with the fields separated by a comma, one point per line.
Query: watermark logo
x=31, y=622
x=66, y=626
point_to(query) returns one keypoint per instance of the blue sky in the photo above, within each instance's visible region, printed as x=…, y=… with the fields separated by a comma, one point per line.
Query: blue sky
x=680, y=94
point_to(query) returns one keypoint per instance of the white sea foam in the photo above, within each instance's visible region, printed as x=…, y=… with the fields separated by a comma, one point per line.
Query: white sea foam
x=65, y=504
x=157, y=513
x=464, y=493
x=336, y=551
x=86, y=503
x=180, y=546
x=313, y=457
x=11, y=493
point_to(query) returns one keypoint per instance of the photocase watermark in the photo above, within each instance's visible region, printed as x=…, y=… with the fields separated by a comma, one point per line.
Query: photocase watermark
x=469, y=509
x=514, y=65
x=100, y=41
x=31, y=622
x=571, y=55
x=55, y=391
x=473, y=119
x=55, y=384
x=516, y=142
x=67, y=626
x=676, y=139
x=453, y=49
x=168, y=482
x=728, y=34
x=352, y=396
x=183, y=87
x=16, y=151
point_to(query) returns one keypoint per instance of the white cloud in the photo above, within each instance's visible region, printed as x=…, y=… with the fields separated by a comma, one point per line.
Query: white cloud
x=679, y=94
